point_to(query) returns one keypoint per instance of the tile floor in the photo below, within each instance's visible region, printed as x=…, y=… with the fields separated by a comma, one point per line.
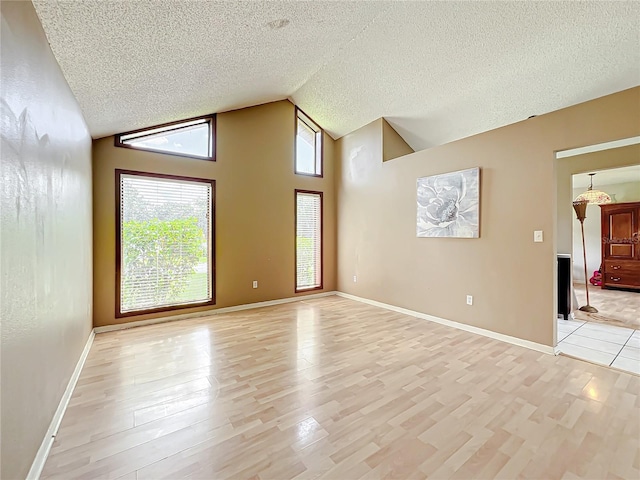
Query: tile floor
x=599, y=343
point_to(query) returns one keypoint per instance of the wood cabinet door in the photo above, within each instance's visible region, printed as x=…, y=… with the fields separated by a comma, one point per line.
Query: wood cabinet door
x=619, y=233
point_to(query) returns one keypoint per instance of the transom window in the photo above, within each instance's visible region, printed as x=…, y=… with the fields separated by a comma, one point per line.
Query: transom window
x=193, y=138
x=164, y=242
x=308, y=146
x=308, y=240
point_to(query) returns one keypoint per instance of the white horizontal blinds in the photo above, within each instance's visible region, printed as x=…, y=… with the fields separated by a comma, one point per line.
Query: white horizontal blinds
x=308, y=146
x=308, y=240
x=165, y=234
x=188, y=138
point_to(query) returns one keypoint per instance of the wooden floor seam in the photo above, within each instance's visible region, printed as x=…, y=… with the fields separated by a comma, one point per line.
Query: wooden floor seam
x=333, y=388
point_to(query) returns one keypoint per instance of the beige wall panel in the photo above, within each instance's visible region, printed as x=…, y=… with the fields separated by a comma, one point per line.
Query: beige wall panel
x=255, y=187
x=511, y=278
x=45, y=236
x=393, y=145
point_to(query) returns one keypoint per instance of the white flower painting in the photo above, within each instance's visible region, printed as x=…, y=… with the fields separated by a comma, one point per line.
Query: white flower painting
x=449, y=204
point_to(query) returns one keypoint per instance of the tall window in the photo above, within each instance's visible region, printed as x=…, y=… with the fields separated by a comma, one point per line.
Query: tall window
x=308, y=240
x=164, y=242
x=308, y=146
x=193, y=138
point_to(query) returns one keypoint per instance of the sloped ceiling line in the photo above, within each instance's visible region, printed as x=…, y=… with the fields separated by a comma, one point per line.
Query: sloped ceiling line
x=437, y=71
x=338, y=51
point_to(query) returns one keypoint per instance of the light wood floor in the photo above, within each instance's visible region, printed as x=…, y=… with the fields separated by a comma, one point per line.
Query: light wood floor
x=615, y=307
x=332, y=388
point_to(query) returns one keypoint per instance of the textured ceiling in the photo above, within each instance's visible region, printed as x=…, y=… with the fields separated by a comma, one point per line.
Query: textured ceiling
x=437, y=71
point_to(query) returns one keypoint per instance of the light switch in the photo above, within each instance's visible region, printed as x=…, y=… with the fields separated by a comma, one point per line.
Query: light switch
x=537, y=236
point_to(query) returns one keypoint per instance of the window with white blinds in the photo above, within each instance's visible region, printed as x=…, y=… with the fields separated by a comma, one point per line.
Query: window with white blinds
x=165, y=242
x=308, y=240
x=308, y=146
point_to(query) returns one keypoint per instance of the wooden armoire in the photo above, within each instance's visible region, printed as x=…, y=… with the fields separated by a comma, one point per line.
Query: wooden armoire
x=621, y=245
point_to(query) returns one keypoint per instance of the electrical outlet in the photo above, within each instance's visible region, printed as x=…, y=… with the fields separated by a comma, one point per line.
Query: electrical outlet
x=469, y=299
x=537, y=236
x=355, y=279
x=255, y=284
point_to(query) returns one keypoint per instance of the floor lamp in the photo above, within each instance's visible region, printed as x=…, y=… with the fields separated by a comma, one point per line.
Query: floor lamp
x=595, y=197
x=581, y=212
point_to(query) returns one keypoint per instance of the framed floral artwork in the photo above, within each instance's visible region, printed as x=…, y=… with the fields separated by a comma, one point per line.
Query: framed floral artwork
x=449, y=205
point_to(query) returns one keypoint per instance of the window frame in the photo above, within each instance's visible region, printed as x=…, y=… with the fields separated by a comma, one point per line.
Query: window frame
x=118, y=272
x=295, y=240
x=319, y=131
x=210, y=119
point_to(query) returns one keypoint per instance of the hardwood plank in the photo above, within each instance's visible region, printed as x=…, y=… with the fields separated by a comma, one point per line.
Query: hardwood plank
x=332, y=388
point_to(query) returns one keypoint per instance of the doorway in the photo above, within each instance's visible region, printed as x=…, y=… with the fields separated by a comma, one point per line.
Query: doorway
x=610, y=336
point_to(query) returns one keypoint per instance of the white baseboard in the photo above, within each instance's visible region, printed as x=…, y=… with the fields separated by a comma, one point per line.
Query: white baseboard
x=52, y=431
x=460, y=326
x=207, y=313
x=45, y=447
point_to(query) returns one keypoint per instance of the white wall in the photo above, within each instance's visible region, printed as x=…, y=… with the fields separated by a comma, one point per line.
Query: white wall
x=624, y=192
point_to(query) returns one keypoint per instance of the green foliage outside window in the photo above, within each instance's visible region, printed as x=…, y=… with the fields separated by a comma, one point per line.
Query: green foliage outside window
x=162, y=253
x=305, y=254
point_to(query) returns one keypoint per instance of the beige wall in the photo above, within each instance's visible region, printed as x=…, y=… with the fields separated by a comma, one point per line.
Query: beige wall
x=254, y=208
x=511, y=278
x=45, y=239
x=624, y=192
x=393, y=145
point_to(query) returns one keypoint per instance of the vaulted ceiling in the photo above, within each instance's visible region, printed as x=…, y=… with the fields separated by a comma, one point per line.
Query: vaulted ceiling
x=437, y=71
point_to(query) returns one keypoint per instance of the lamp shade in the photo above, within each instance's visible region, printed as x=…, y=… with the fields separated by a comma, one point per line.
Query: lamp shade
x=580, y=207
x=597, y=197
x=593, y=197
